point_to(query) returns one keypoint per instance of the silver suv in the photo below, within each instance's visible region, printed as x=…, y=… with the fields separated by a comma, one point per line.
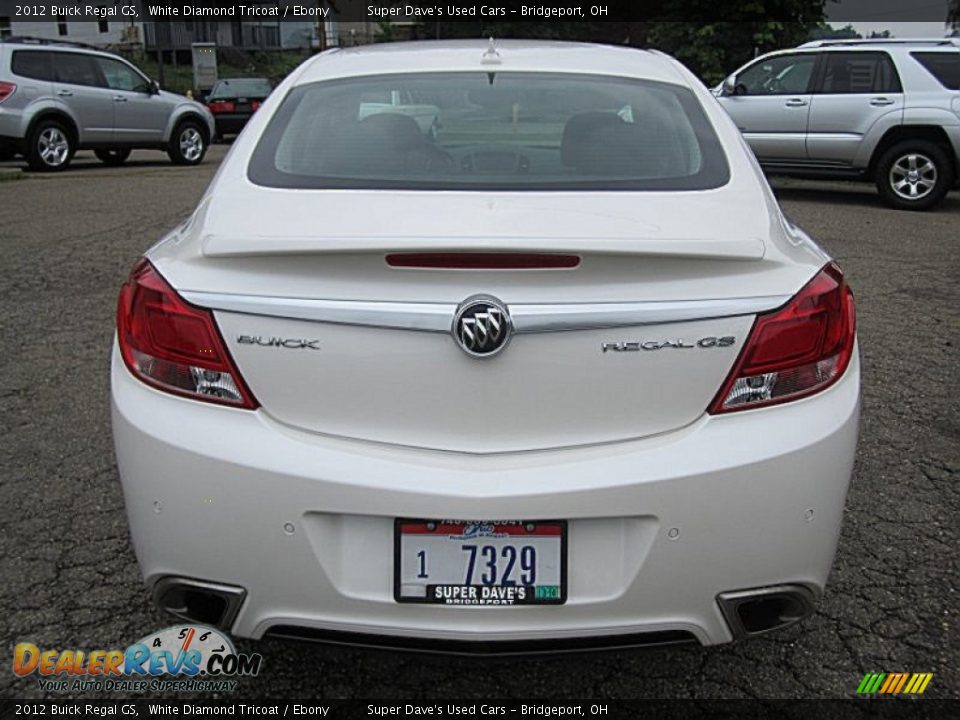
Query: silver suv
x=880, y=110
x=57, y=98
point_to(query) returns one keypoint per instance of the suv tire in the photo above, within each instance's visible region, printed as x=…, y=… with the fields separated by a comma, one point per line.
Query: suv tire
x=112, y=157
x=50, y=147
x=188, y=144
x=914, y=175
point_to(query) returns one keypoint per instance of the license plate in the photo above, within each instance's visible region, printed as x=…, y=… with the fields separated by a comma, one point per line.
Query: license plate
x=491, y=563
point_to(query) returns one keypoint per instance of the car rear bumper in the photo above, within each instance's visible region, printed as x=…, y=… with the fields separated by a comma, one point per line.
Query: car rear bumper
x=232, y=123
x=303, y=524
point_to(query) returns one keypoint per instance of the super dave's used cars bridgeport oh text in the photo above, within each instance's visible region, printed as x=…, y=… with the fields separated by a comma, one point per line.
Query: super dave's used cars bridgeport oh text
x=487, y=347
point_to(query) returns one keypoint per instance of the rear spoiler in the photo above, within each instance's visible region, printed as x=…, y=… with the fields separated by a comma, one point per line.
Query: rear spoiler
x=222, y=246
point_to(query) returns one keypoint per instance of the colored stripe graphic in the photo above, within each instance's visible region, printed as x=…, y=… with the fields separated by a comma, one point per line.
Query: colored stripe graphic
x=894, y=683
x=870, y=683
x=918, y=683
x=903, y=680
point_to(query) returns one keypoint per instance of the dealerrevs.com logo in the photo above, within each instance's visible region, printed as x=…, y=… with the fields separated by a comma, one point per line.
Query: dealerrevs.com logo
x=186, y=658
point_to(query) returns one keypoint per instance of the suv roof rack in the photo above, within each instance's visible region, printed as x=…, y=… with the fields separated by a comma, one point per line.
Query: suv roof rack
x=884, y=41
x=31, y=40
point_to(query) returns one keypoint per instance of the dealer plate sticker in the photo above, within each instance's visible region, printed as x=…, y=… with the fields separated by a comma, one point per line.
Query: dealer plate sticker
x=484, y=563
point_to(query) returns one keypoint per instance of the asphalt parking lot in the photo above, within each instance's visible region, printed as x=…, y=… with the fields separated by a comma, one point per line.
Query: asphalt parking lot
x=69, y=579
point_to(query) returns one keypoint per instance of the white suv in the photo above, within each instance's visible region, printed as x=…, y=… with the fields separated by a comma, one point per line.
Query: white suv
x=881, y=110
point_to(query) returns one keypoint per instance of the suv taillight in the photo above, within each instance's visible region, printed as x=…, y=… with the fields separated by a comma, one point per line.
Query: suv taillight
x=6, y=90
x=173, y=345
x=795, y=351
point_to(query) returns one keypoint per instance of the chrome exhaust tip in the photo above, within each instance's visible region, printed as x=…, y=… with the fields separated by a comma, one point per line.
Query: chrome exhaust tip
x=762, y=610
x=199, y=601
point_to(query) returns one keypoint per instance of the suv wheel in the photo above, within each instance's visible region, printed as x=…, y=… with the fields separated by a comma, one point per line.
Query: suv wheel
x=112, y=157
x=51, y=146
x=188, y=144
x=914, y=175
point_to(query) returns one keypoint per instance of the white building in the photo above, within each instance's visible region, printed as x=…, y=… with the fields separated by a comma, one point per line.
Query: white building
x=104, y=32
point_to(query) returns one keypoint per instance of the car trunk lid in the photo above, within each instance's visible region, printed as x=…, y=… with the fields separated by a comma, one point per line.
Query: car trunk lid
x=633, y=341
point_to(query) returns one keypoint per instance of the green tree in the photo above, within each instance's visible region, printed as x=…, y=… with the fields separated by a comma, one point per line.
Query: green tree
x=825, y=31
x=386, y=32
x=713, y=50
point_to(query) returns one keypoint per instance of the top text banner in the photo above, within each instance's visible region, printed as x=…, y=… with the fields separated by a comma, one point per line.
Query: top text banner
x=132, y=11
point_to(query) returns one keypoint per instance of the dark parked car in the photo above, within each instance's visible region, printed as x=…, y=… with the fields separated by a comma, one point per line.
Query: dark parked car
x=234, y=100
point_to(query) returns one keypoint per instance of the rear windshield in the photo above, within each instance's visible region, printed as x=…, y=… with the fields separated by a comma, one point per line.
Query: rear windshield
x=944, y=66
x=242, y=87
x=490, y=131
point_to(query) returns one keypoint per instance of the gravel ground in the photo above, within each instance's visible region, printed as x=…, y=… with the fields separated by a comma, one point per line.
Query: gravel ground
x=68, y=577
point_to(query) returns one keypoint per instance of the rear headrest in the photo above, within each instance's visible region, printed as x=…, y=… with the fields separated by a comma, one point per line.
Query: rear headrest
x=620, y=150
x=390, y=130
x=580, y=129
x=605, y=144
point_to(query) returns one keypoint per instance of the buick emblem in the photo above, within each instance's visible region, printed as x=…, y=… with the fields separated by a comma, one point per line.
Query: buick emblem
x=482, y=326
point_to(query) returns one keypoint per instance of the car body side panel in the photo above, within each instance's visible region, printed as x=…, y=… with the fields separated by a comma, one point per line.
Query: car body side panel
x=141, y=117
x=841, y=126
x=774, y=126
x=183, y=108
x=31, y=97
x=931, y=113
x=16, y=121
x=919, y=116
x=93, y=109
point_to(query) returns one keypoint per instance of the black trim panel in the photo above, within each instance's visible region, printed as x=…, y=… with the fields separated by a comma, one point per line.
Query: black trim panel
x=487, y=648
x=823, y=172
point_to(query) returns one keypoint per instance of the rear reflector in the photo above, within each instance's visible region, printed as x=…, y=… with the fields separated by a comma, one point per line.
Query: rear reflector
x=175, y=346
x=484, y=261
x=800, y=349
x=6, y=90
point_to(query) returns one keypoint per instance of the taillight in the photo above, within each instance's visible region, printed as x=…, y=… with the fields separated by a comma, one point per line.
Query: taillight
x=795, y=351
x=6, y=90
x=175, y=346
x=221, y=106
x=255, y=105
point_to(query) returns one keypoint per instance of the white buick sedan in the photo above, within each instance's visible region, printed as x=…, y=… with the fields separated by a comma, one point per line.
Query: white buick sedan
x=550, y=370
